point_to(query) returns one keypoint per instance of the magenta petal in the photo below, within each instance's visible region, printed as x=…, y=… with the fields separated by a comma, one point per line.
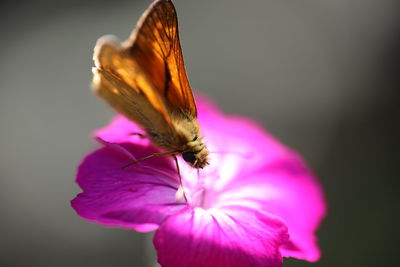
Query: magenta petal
x=220, y=238
x=234, y=133
x=139, y=197
x=272, y=178
x=287, y=189
x=301, y=205
x=121, y=130
x=248, y=168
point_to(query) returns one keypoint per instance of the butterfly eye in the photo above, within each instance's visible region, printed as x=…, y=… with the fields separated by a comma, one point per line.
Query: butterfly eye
x=189, y=156
x=194, y=138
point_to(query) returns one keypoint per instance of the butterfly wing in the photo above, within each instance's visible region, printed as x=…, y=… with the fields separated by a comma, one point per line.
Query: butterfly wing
x=155, y=44
x=144, y=78
x=130, y=97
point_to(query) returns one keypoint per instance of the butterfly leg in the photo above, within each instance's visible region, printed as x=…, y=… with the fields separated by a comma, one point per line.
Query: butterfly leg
x=181, y=192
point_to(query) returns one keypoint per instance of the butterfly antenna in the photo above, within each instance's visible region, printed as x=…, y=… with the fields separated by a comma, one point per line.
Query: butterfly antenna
x=148, y=157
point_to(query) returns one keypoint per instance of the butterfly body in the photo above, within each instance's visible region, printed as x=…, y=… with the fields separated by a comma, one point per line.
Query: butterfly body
x=144, y=79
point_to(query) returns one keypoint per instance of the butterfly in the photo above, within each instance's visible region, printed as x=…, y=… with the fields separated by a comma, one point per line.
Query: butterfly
x=144, y=78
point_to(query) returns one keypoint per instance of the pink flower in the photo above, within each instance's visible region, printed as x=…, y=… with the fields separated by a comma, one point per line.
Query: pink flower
x=256, y=201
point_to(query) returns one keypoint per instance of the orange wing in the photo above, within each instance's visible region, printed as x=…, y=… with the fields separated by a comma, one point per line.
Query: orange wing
x=144, y=78
x=112, y=58
x=151, y=61
x=155, y=46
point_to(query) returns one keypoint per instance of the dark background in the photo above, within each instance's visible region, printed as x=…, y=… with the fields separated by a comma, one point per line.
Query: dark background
x=322, y=76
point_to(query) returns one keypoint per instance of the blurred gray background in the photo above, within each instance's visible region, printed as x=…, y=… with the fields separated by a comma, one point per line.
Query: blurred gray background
x=322, y=76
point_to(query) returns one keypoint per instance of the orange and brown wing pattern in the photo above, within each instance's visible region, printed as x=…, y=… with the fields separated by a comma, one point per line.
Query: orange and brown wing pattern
x=144, y=78
x=112, y=62
x=154, y=45
x=129, y=102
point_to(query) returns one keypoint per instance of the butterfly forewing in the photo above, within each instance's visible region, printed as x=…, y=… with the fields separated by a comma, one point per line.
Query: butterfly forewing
x=155, y=46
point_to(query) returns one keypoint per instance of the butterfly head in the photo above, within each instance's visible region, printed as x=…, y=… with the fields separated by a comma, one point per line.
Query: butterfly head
x=196, y=159
x=196, y=153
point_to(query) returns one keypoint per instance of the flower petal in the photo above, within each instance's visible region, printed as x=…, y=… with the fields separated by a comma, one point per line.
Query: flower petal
x=233, y=237
x=138, y=197
x=272, y=178
x=121, y=130
x=248, y=167
x=287, y=189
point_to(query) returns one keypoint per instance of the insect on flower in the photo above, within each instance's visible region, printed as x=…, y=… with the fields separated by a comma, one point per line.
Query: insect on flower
x=144, y=78
x=248, y=208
